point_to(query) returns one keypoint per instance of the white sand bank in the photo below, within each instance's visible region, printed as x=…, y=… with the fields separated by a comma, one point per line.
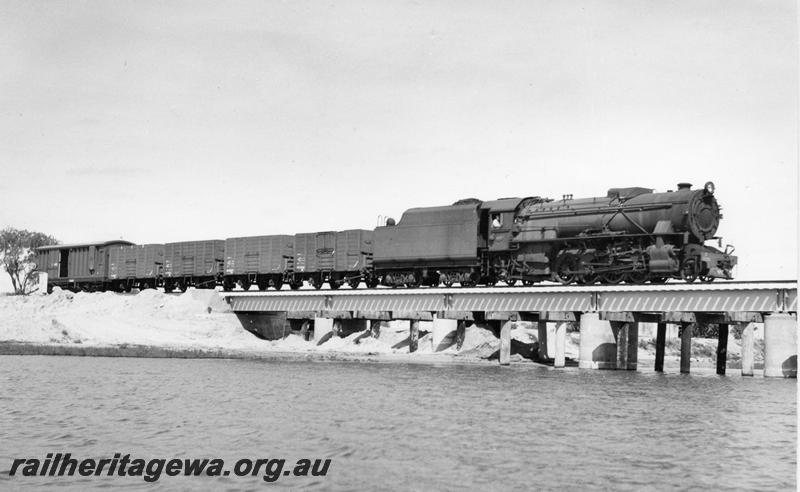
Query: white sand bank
x=201, y=320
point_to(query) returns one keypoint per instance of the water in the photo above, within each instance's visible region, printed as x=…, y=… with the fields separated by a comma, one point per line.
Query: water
x=403, y=426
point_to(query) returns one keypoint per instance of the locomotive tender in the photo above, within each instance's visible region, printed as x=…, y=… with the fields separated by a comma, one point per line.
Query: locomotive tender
x=631, y=234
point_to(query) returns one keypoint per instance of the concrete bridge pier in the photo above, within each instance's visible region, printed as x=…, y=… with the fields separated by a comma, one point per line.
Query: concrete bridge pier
x=747, y=349
x=598, y=345
x=444, y=331
x=560, y=358
x=505, y=342
x=780, y=346
x=323, y=330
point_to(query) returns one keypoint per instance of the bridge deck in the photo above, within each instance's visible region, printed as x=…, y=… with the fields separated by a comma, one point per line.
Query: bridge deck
x=722, y=297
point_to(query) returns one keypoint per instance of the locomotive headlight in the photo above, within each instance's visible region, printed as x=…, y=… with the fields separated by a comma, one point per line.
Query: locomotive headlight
x=709, y=187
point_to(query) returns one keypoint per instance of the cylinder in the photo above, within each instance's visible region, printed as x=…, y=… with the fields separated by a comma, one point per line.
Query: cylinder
x=780, y=346
x=598, y=345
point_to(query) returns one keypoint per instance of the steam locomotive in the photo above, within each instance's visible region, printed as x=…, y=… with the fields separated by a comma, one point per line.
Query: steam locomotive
x=631, y=235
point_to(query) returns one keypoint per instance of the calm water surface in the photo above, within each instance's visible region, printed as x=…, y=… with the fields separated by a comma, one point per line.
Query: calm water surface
x=395, y=426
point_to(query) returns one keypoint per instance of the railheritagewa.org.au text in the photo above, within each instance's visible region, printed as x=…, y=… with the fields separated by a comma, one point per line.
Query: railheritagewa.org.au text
x=151, y=470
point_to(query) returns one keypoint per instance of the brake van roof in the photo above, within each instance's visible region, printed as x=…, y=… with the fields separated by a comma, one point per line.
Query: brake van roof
x=120, y=242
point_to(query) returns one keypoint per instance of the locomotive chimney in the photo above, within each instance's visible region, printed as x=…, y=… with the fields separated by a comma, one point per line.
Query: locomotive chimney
x=684, y=186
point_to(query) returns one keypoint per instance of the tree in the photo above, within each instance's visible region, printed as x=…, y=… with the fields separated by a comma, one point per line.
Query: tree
x=17, y=251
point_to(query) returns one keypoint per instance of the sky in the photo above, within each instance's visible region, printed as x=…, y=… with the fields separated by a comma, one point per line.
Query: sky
x=168, y=121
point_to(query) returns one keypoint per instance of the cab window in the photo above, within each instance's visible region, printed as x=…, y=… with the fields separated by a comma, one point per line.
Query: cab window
x=497, y=221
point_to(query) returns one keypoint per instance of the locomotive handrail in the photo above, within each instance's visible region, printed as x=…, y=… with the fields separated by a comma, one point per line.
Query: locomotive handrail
x=595, y=211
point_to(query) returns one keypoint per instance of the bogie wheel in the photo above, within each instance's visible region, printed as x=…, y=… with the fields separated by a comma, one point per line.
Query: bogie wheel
x=354, y=282
x=295, y=285
x=335, y=284
x=511, y=282
x=658, y=280
x=182, y=286
x=527, y=283
x=689, y=270
x=588, y=279
x=245, y=284
x=277, y=283
x=447, y=280
x=227, y=285
x=372, y=283
x=316, y=282
x=706, y=279
x=262, y=284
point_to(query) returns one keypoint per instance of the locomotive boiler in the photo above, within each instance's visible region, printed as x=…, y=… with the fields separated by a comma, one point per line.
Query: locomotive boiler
x=631, y=234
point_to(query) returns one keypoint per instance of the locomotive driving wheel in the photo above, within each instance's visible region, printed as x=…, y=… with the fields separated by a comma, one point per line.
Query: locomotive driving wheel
x=567, y=266
x=636, y=277
x=612, y=278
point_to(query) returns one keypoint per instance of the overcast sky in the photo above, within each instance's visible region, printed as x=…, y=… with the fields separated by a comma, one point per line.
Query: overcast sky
x=166, y=121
